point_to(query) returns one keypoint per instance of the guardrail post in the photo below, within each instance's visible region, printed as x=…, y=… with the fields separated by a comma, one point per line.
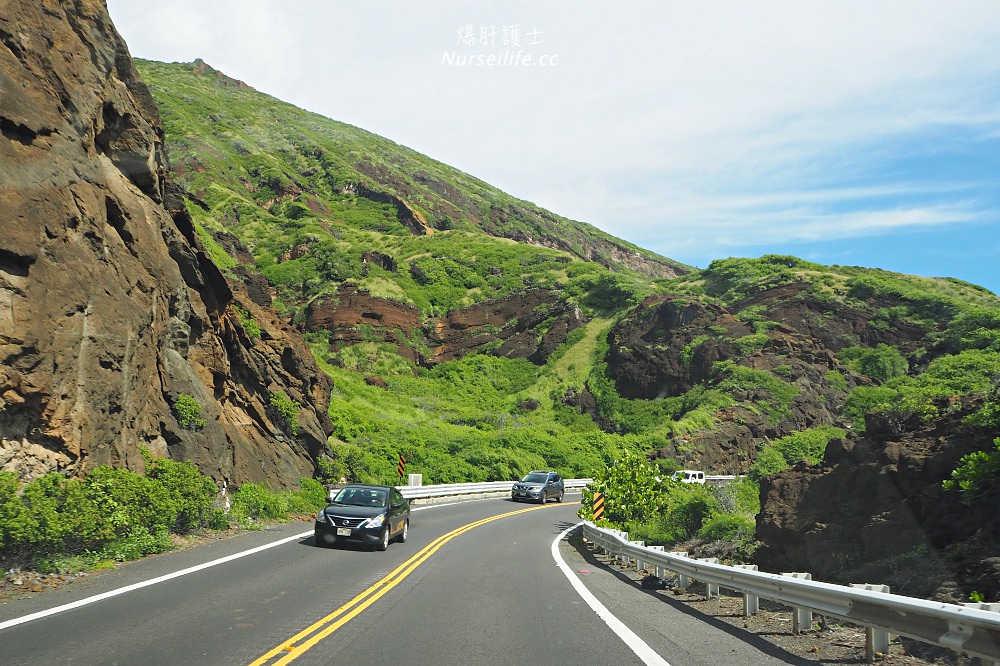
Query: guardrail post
x=876, y=639
x=659, y=570
x=801, y=617
x=682, y=580
x=993, y=608
x=624, y=537
x=711, y=589
x=751, y=602
x=639, y=564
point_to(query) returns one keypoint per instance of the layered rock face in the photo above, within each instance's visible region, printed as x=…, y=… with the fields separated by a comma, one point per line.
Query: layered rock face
x=511, y=326
x=109, y=311
x=875, y=511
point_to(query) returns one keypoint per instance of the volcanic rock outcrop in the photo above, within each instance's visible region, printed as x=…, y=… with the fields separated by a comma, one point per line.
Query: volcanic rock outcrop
x=669, y=345
x=513, y=326
x=109, y=310
x=875, y=511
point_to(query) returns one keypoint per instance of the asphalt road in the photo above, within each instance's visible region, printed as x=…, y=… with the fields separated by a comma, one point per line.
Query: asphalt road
x=476, y=583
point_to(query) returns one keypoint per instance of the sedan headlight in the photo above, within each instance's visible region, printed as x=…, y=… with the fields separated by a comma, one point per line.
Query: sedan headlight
x=376, y=521
x=321, y=517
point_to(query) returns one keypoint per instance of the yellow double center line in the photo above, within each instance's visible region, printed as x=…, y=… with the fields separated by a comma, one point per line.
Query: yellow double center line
x=301, y=642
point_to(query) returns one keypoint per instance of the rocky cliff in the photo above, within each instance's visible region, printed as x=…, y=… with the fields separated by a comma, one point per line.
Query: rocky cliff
x=875, y=511
x=670, y=345
x=109, y=310
x=511, y=327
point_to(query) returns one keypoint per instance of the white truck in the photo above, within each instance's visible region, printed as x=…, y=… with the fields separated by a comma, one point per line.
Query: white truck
x=689, y=476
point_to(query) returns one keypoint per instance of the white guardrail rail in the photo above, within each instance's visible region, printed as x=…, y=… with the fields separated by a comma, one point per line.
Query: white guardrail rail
x=973, y=629
x=487, y=487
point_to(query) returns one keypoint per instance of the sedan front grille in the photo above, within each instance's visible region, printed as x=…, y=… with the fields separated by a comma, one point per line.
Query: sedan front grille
x=341, y=521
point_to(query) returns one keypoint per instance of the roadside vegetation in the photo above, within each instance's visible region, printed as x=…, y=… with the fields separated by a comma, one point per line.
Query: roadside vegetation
x=652, y=507
x=55, y=524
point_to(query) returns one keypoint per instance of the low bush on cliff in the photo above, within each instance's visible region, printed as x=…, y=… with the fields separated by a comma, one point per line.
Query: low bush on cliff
x=881, y=362
x=977, y=474
x=284, y=411
x=188, y=412
x=808, y=445
x=970, y=372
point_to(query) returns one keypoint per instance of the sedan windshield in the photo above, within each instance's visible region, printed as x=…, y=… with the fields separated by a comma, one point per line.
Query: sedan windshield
x=362, y=497
x=535, y=478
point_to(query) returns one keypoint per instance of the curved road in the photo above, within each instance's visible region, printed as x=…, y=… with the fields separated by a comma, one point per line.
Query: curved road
x=477, y=582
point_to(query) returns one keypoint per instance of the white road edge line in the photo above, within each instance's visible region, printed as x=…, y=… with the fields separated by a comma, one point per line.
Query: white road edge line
x=647, y=654
x=162, y=579
x=146, y=583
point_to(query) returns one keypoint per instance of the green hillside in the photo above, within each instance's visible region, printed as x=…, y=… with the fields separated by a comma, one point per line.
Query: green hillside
x=299, y=198
x=278, y=177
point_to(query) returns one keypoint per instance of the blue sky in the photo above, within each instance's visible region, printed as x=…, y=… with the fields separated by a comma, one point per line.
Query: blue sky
x=843, y=132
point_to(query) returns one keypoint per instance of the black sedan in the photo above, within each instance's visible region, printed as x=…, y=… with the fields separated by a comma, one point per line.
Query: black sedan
x=371, y=515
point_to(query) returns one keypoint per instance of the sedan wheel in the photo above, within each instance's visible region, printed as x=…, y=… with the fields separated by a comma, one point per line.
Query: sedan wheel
x=559, y=496
x=384, y=543
x=542, y=498
x=402, y=535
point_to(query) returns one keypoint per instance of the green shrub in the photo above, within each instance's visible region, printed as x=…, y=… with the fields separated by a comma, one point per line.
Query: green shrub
x=687, y=354
x=975, y=328
x=691, y=504
x=747, y=493
x=809, y=444
x=988, y=416
x=774, y=395
x=769, y=461
x=881, y=362
x=253, y=502
x=216, y=520
x=190, y=495
x=835, y=379
x=631, y=491
x=311, y=496
x=250, y=326
x=126, y=500
x=977, y=474
x=667, y=466
x=865, y=399
x=727, y=527
x=139, y=542
x=285, y=410
x=188, y=412
x=751, y=343
x=112, y=513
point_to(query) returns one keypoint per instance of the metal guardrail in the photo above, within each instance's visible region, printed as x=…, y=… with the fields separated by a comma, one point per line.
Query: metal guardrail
x=964, y=629
x=451, y=489
x=719, y=480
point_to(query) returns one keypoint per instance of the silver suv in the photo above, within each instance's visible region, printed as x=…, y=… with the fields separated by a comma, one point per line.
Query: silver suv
x=538, y=485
